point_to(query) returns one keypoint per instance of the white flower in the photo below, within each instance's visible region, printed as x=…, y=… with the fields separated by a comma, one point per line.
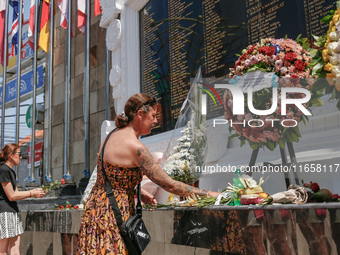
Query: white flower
x=176, y=155
x=333, y=47
x=336, y=70
x=187, y=144
x=283, y=70
x=183, y=164
x=333, y=59
x=333, y=36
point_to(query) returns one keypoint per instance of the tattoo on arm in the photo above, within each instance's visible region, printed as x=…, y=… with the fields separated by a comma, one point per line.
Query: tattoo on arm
x=158, y=176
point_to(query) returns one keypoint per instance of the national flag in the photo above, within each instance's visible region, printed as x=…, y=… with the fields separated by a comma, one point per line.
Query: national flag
x=15, y=5
x=44, y=39
x=97, y=8
x=63, y=6
x=2, y=29
x=81, y=15
x=31, y=25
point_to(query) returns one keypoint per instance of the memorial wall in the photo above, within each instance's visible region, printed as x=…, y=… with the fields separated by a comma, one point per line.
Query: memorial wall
x=178, y=36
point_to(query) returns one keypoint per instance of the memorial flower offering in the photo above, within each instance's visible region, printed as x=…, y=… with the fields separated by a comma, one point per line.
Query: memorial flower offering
x=52, y=185
x=182, y=162
x=326, y=57
x=186, y=154
x=295, y=195
x=67, y=206
x=319, y=195
x=268, y=67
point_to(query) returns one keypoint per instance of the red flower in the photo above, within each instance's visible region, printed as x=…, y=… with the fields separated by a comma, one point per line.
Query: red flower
x=263, y=50
x=243, y=56
x=290, y=56
x=299, y=65
x=270, y=51
x=68, y=206
x=62, y=181
x=60, y=207
x=315, y=187
x=76, y=207
x=251, y=49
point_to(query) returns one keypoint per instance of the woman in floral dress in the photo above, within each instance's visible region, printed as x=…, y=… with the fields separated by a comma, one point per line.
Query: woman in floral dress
x=125, y=161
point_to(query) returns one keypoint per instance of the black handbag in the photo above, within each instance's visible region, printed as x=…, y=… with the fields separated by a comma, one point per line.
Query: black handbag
x=133, y=231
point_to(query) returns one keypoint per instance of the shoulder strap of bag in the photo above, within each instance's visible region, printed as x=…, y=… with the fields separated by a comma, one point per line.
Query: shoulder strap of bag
x=109, y=191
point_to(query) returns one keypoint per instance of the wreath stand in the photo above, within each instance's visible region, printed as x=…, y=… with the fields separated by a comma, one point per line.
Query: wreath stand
x=292, y=165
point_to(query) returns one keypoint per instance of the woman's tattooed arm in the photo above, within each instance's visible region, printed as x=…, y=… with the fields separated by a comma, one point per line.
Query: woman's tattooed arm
x=158, y=176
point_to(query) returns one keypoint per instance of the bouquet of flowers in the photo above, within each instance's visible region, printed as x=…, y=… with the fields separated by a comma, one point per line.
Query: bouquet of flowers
x=319, y=195
x=182, y=162
x=185, y=155
x=326, y=57
x=288, y=64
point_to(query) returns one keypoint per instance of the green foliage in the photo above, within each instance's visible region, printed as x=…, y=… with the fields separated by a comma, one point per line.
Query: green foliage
x=53, y=185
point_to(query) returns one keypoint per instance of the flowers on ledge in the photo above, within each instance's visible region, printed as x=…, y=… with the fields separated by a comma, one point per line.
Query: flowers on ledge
x=68, y=206
x=320, y=195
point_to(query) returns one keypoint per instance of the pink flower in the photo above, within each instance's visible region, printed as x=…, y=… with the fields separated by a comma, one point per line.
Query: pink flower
x=247, y=63
x=278, y=63
x=253, y=60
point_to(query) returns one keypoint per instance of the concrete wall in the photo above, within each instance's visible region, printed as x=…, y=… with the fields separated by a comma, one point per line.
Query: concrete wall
x=308, y=229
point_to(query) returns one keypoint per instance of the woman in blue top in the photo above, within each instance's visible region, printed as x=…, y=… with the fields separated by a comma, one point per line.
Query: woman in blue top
x=10, y=221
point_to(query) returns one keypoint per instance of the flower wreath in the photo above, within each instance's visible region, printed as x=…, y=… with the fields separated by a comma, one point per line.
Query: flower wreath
x=327, y=60
x=289, y=61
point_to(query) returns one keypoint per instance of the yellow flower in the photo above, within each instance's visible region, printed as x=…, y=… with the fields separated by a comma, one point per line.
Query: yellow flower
x=325, y=55
x=328, y=67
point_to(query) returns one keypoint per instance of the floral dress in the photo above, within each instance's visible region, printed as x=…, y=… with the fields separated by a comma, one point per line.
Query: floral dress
x=99, y=233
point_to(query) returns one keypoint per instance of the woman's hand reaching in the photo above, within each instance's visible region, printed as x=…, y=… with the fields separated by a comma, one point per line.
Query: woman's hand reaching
x=38, y=193
x=213, y=194
x=148, y=198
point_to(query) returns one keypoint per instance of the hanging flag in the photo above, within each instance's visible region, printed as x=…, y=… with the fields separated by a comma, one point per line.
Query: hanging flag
x=81, y=15
x=31, y=25
x=2, y=29
x=63, y=6
x=15, y=5
x=44, y=39
x=97, y=8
